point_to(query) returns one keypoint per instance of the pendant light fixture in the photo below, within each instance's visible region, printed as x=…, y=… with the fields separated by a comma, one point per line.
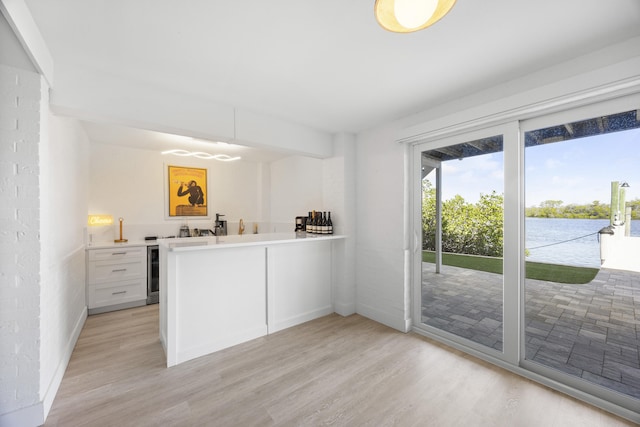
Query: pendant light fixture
x=406, y=16
x=201, y=155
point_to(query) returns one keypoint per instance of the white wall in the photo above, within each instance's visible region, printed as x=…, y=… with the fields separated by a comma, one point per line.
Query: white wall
x=43, y=195
x=131, y=183
x=296, y=189
x=44, y=168
x=381, y=288
x=20, y=246
x=339, y=191
x=64, y=159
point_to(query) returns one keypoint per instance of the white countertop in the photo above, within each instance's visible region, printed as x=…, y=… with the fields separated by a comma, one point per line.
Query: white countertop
x=130, y=243
x=219, y=242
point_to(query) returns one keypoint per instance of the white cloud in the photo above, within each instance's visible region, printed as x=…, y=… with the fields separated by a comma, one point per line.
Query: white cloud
x=552, y=163
x=450, y=167
x=473, y=176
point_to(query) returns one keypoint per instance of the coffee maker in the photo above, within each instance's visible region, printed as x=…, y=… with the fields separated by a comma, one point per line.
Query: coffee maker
x=220, y=226
x=301, y=223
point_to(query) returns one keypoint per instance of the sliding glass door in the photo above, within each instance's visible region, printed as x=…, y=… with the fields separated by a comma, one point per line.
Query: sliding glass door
x=527, y=247
x=582, y=288
x=461, y=238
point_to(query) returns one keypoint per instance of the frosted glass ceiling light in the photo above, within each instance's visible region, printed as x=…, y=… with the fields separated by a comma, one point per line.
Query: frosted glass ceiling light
x=201, y=155
x=406, y=16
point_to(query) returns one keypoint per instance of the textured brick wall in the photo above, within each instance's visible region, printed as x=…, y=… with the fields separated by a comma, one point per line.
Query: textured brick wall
x=20, y=94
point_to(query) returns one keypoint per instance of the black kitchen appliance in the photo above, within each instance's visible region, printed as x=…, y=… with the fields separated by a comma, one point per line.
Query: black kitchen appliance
x=220, y=226
x=301, y=223
x=153, y=274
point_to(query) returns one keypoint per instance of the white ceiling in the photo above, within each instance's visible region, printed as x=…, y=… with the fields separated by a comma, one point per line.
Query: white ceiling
x=157, y=141
x=326, y=65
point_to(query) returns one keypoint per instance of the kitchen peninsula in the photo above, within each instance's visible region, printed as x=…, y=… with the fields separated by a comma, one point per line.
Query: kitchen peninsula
x=216, y=292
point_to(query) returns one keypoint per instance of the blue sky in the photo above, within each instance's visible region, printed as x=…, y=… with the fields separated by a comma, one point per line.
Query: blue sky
x=576, y=171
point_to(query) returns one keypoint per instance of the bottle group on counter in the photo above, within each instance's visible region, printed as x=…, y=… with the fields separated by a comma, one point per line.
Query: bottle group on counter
x=319, y=223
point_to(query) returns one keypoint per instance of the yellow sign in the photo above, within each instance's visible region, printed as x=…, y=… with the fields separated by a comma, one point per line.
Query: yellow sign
x=95, y=220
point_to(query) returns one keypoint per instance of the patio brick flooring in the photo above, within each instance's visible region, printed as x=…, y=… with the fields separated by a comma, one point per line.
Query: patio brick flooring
x=591, y=331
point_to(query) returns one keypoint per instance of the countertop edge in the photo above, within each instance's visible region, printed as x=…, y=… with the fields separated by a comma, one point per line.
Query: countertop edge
x=205, y=243
x=109, y=245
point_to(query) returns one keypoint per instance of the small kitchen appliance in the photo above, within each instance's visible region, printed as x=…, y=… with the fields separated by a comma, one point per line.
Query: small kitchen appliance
x=301, y=222
x=220, y=226
x=301, y=226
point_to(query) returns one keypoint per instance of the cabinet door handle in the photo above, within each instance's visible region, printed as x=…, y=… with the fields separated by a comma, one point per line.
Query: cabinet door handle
x=116, y=293
x=119, y=269
x=119, y=253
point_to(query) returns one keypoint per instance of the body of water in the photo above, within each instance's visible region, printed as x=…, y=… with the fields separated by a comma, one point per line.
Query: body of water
x=544, y=237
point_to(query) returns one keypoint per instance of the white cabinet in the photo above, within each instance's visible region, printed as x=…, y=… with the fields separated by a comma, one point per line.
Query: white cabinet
x=217, y=299
x=116, y=278
x=299, y=278
x=217, y=294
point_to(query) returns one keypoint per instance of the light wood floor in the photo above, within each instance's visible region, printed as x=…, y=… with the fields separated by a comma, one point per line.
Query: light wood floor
x=336, y=371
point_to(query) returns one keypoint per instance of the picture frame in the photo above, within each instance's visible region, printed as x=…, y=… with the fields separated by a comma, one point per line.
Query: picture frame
x=186, y=192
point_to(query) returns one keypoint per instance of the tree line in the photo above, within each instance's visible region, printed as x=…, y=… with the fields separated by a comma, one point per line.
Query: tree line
x=477, y=228
x=594, y=210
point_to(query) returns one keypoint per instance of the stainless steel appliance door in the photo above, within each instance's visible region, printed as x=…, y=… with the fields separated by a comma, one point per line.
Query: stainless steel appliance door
x=153, y=274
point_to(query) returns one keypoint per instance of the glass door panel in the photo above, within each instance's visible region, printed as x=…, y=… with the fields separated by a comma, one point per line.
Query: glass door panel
x=582, y=229
x=462, y=207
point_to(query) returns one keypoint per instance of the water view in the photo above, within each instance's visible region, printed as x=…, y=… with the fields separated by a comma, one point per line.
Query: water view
x=580, y=240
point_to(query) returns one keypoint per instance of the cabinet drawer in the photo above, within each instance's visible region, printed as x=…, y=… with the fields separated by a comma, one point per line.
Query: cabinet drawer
x=118, y=253
x=117, y=293
x=111, y=271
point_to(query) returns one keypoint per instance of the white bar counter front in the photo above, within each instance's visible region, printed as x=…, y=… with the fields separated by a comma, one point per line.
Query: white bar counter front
x=216, y=292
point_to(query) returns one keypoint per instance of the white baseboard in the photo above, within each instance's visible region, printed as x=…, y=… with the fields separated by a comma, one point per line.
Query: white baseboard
x=344, y=309
x=300, y=318
x=54, y=385
x=219, y=344
x=31, y=416
x=395, y=322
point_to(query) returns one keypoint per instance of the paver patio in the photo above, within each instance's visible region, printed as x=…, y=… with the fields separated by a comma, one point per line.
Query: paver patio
x=591, y=331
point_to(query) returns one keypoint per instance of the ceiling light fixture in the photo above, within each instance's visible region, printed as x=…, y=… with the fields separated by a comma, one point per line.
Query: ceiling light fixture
x=406, y=16
x=202, y=155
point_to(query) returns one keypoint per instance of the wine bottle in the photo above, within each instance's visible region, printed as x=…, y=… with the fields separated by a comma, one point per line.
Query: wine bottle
x=329, y=224
x=325, y=228
x=307, y=225
x=312, y=228
x=315, y=222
